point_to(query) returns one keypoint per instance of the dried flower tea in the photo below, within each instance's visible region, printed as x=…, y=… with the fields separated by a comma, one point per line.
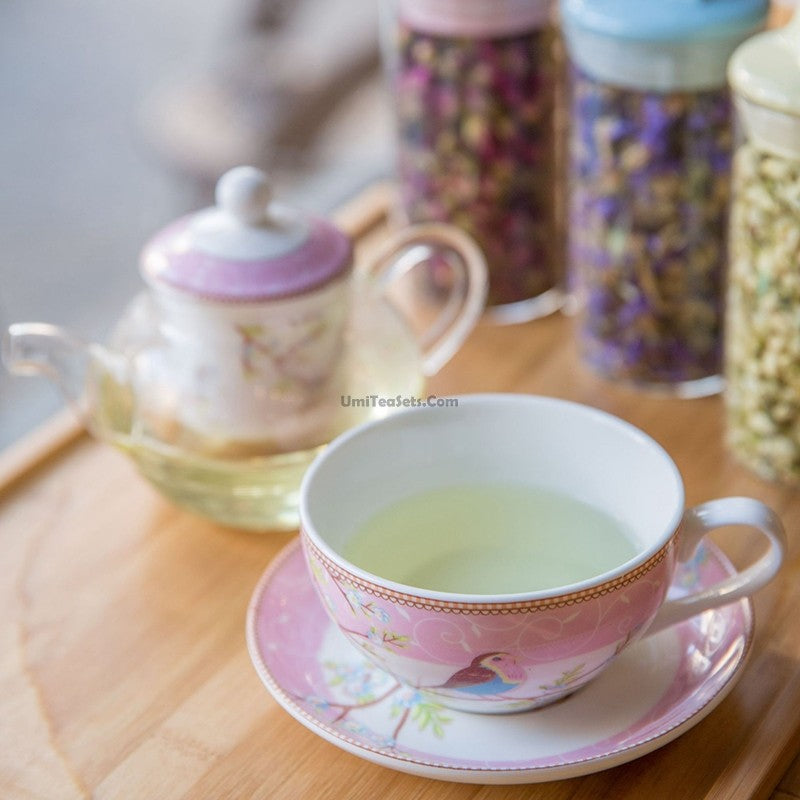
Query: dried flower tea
x=476, y=148
x=763, y=324
x=650, y=184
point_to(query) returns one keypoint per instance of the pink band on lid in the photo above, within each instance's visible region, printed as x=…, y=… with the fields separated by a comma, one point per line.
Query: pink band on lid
x=326, y=254
x=247, y=248
x=477, y=18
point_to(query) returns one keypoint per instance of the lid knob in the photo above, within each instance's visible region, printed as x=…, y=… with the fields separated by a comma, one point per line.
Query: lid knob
x=245, y=194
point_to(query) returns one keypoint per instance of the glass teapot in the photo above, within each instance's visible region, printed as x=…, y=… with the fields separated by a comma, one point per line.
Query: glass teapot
x=256, y=342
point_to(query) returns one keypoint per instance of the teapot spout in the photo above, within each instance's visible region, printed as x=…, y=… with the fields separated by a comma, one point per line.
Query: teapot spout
x=36, y=348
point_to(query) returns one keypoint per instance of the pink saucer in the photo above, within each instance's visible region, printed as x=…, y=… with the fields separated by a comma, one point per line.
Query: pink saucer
x=656, y=690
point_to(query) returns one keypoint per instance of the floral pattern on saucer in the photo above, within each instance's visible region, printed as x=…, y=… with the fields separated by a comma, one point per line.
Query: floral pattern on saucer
x=679, y=675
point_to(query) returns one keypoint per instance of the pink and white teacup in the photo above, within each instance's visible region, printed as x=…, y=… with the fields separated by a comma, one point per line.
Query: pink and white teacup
x=510, y=652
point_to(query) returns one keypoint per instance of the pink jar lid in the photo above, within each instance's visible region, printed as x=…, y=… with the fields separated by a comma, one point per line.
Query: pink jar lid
x=247, y=248
x=489, y=18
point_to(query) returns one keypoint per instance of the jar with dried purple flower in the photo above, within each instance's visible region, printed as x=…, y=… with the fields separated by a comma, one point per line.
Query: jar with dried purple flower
x=650, y=153
x=473, y=88
x=762, y=361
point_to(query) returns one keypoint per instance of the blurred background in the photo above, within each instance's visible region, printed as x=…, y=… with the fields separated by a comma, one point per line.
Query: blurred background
x=117, y=118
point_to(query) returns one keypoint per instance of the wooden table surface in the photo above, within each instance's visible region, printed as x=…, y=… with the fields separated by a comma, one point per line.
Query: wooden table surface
x=123, y=666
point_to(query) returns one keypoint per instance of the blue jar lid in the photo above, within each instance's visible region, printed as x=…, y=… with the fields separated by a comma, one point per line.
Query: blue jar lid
x=665, y=20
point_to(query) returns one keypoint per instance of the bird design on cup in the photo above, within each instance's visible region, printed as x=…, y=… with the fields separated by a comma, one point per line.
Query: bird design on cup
x=489, y=673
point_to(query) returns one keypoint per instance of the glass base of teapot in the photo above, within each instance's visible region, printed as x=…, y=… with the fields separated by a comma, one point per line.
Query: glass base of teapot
x=257, y=494
x=232, y=482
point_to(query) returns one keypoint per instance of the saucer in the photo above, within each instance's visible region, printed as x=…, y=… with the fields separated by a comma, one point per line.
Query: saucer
x=656, y=690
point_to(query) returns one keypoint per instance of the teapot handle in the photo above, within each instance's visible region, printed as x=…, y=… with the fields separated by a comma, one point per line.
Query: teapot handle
x=416, y=245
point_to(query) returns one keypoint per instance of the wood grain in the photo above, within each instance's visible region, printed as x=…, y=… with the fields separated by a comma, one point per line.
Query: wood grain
x=21, y=457
x=123, y=666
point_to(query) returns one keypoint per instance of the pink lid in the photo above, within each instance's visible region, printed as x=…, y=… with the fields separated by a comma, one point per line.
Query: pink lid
x=475, y=17
x=246, y=248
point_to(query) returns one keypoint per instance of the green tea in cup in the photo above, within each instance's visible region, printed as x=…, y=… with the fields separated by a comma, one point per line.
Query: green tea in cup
x=490, y=538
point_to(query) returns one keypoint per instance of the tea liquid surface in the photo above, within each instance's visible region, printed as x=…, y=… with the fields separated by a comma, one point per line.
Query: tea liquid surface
x=490, y=539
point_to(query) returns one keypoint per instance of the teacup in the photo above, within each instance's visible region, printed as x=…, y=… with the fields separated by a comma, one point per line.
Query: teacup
x=514, y=651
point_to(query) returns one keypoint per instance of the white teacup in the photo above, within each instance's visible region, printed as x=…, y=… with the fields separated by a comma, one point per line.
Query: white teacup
x=511, y=651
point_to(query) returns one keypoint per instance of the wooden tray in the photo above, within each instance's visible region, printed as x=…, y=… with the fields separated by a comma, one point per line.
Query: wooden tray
x=124, y=667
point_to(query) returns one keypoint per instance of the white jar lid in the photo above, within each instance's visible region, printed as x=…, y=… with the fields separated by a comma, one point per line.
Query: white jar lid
x=765, y=74
x=478, y=18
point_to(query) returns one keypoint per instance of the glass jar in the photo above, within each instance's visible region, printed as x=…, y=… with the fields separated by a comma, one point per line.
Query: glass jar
x=649, y=169
x=763, y=322
x=473, y=86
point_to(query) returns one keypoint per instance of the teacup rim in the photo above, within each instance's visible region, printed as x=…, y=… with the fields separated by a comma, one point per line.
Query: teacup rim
x=618, y=576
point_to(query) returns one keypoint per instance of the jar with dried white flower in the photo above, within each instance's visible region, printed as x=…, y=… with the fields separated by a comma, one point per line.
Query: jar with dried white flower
x=763, y=315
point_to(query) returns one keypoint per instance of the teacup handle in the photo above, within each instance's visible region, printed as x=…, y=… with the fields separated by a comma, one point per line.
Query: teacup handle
x=413, y=246
x=699, y=521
